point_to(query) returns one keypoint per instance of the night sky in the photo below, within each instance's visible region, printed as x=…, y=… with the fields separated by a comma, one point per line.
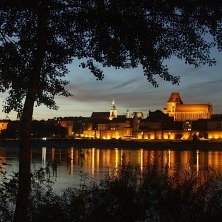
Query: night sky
x=132, y=91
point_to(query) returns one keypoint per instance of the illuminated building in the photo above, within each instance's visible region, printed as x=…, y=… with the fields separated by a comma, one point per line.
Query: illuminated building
x=106, y=115
x=113, y=111
x=182, y=112
x=109, y=125
x=3, y=125
x=68, y=125
x=178, y=121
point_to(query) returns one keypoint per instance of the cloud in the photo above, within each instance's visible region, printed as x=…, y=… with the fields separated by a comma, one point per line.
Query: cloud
x=218, y=81
x=124, y=84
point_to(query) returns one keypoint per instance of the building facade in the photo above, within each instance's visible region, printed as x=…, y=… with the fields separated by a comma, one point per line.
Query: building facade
x=182, y=112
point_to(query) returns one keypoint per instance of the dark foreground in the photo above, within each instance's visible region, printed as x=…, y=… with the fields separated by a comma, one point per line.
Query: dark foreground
x=128, y=144
x=129, y=194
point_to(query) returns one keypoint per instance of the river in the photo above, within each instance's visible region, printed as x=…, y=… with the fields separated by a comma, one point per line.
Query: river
x=95, y=163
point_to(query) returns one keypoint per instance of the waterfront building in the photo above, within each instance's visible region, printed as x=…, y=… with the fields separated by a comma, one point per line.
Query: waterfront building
x=3, y=125
x=115, y=128
x=68, y=124
x=177, y=121
x=159, y=126
x=113, y=113
x=182, y=112
x=110, y=125
x=100, y=115
x=208, y=128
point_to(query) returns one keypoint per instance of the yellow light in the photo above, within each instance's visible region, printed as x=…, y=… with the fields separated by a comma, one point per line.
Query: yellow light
x=216, y=136
x=165, y=136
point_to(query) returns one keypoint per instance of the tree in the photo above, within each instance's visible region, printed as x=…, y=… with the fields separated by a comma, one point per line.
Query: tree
x=38, y=38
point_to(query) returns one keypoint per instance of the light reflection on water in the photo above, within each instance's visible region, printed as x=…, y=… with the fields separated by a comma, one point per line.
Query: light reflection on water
x=71, y=162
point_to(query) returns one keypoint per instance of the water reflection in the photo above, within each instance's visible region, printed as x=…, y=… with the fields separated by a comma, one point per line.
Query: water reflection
x=67, y=163
x=43, y=156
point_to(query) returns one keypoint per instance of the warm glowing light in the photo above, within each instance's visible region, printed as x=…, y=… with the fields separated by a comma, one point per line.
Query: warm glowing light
x=93, y=161
x=166, y=159
x=117, y=135
x=184, y=137
x=116, y=158
x=165, y=136
x=141, y=159
x=97, y=157
x=198, y=161
x=71, y=156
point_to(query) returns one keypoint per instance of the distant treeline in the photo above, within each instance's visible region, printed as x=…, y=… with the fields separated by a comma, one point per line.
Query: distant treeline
x=40, y=129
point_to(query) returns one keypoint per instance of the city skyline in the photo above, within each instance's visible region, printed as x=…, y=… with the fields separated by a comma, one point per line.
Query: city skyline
x=132, y=91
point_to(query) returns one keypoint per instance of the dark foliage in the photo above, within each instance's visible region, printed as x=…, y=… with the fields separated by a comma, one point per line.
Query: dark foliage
x=144, y=33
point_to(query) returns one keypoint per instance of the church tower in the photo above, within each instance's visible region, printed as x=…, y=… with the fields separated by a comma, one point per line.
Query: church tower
x=113, y=111
x=127, y=114
x=183, y=112
x=171, y=104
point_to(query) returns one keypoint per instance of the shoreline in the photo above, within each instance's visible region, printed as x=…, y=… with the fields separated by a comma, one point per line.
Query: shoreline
x=123, y=144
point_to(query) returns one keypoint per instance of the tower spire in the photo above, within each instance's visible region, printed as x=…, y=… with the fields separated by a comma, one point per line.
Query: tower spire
x=113, y=104
x=113, y=110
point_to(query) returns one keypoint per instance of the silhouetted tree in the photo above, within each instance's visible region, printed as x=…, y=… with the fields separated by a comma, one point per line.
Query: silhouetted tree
x=38, y=38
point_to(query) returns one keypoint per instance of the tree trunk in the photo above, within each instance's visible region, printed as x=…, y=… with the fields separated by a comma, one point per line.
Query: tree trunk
x=22, y=202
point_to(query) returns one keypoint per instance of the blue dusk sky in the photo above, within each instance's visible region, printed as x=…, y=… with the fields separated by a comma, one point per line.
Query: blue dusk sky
x=132, y=91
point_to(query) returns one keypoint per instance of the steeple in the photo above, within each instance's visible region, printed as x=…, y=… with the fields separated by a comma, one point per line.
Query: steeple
x=127, y=114
x=172, y=102
x=175, y=98
x=113, y=104
x=113, y=110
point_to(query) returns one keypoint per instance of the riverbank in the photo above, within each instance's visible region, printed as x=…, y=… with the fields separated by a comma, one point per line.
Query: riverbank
x=124, y=144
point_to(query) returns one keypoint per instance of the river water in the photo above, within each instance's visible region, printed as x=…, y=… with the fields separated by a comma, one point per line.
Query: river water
x=95, y=163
